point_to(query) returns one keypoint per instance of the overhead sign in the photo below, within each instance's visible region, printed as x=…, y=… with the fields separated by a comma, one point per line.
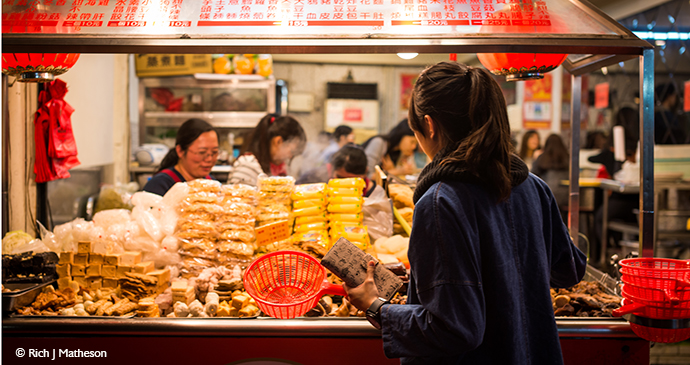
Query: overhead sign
x=601, y=95
x=277, y=17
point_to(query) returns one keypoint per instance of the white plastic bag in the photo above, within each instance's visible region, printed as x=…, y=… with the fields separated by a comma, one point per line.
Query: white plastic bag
x=109, y=217
x=148, y=222
x=146, y=199
x=378, y=214
x=16, y=242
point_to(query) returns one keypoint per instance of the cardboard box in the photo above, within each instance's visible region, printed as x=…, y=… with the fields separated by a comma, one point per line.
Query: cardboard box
x=151, y=65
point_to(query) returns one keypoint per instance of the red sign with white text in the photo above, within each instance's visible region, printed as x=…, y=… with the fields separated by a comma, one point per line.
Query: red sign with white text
x=601, y=95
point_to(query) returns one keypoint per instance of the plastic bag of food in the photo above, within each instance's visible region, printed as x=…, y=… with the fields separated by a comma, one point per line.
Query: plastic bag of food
x=81, y=230
x=309, y=191
x=113, y=197
x=162, y=257
x=175, y=195
x=148, y=222
x=170, y=243
x=110, y=217
x=16, y=242
x=146, y=199
x=378, y=214
x=64, y=238
x=350, y=182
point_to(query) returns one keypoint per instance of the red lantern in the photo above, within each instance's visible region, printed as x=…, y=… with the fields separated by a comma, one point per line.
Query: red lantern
x=37, y=67
x=522, y=66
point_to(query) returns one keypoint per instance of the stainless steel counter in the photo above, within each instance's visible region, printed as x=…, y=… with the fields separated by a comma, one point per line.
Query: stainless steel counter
x=262, y=327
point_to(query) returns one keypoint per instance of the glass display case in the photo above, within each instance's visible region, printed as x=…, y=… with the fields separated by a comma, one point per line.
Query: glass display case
x=225, y=101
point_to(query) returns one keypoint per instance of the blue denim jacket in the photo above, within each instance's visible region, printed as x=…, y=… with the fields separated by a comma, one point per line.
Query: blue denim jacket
x=480, y=278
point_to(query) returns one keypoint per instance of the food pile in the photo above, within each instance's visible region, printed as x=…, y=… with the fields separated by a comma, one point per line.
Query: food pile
x=586, y=299
x=402, y=200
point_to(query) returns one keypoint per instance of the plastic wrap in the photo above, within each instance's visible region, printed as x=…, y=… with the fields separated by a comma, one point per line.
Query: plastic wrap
x=64, y=238
x=175, y=195
x=112, y=216
x=378, y=214
x=16, y=242
x=146, y=199
x=148, y=222
x=204, y=185
x=309, y=191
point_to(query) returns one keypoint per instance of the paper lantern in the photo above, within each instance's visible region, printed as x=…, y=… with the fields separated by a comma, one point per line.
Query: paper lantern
x=522, y=66
x=37, y=67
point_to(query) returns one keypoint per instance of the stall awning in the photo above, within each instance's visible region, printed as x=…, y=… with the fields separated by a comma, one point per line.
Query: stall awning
x=318, y=26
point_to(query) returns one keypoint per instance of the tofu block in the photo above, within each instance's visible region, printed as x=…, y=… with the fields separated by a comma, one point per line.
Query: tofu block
x=78, y=270
x=162, y=275
x=84, y=247
x=121, y=270
x=63, y=270
x=130, y=258
x=64, y=282
x=110, y=283
x=95, y=259
x=143, y=267
x=179, y=286
x=81, y=259
x=93, y=270
x=113, y=259
x=81, y=280
x=109, y=271
x=66, y=257
x=240, y=301
x=94, y=282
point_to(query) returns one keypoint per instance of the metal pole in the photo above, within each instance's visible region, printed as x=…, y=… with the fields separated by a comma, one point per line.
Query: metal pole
x=647, y=153
x=5, y=157
x=575, y=119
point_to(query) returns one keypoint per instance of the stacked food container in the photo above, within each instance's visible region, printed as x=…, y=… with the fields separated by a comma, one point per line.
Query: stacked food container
x=656, y=296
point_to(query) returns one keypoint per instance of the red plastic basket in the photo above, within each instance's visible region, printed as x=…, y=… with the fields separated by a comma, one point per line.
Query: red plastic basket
x=669, y=296
x=655, y=283
x=661, y=334
x=287, y=284
x=656, y=268
x=651, y=309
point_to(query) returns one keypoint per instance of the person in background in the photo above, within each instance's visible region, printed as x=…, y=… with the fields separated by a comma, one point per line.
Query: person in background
x=394, y=153
x=621, y=206
x=552, y=167
x=349, y=161
x=669, y=126
x=195, y=153
x=341, y=136
x=272, y=144
x=596, y=140
x=487, y=241
x=530, y=147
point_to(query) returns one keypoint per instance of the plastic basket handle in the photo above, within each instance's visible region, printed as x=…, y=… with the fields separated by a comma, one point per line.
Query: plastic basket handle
x=627, y=309
x=671, y=296
x=332, y=289
x=685, y=280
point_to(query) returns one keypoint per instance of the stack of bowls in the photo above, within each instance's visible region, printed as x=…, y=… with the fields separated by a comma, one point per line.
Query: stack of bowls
x=656, y=290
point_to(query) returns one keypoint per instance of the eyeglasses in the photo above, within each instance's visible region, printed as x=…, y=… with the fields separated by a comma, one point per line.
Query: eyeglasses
x=205, y=153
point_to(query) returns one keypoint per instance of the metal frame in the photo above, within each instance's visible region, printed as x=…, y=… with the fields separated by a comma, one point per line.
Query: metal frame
x=588, y=53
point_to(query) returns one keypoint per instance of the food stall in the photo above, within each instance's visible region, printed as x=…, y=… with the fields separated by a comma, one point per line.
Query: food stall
x=592, y=39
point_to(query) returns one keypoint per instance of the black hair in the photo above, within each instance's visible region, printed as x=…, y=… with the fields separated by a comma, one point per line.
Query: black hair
x=395, y=136
x=629, y=118
x=524, y=149
x=352, y=158
x=186, y=135
x=664, y=91
x=342, y=130
x=555, y=155
x=469, y=110
x=273, y=125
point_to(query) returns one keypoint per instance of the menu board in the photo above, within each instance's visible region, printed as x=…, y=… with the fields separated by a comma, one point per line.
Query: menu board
x=276, y=18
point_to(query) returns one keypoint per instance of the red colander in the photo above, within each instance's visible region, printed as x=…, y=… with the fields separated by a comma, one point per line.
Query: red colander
x=655, y=283
x=287, y=284
x=663, y=335
x=650, y=309
x=669, y=296
x=657, y=268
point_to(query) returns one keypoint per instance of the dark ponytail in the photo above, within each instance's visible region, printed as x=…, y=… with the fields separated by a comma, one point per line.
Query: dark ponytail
x=469, y=110
x=186, y=135
x=273, y=125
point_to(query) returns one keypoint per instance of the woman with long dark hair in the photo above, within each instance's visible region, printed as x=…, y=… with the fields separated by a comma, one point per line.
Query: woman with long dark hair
x=194, y=155
x=393, y=152
x=272, y=144
x=487, y=241
x=530, y=147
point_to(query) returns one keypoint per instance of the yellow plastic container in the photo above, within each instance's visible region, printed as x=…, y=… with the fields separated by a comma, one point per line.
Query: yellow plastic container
x=309, y=191
x=351, y=233
x=308, y=211
x=351, y=182
x=306, y=203
x=311, y=219
x=334, y=192
x=346, y=200
x=345, y=208
x=311, y=227
x=342, y=217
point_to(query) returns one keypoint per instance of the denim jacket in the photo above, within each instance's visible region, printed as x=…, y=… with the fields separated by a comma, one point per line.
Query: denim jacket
x=480, y=278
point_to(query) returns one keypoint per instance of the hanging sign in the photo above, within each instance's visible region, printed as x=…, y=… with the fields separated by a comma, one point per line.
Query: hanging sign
x=278, y=18
x=686, y=100
x=601, y=95
x=536, y=107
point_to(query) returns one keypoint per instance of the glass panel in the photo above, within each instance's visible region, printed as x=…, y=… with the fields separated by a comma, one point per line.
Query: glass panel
x=167, y=99
x=246, y=100
x=319, y=18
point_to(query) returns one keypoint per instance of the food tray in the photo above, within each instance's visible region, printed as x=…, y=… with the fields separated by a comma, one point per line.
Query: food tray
x=26, y=295
x=14, y=315
x=609, y=283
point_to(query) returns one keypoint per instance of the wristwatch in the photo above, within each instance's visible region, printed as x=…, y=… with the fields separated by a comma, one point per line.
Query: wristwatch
x=374, y=312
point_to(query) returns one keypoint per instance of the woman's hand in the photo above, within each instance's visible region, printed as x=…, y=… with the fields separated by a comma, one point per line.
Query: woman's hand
x=387, y=164
x=365, y=294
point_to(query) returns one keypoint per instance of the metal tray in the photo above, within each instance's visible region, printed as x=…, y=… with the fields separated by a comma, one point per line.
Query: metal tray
x=26, y=295
x=14, y=315
x=609, y=283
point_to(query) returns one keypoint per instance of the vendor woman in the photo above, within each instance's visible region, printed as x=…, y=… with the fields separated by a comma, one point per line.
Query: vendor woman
x=194, y=155
x=272, y=144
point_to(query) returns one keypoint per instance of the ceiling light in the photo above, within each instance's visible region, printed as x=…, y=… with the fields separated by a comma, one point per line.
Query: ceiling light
x=407, y=56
